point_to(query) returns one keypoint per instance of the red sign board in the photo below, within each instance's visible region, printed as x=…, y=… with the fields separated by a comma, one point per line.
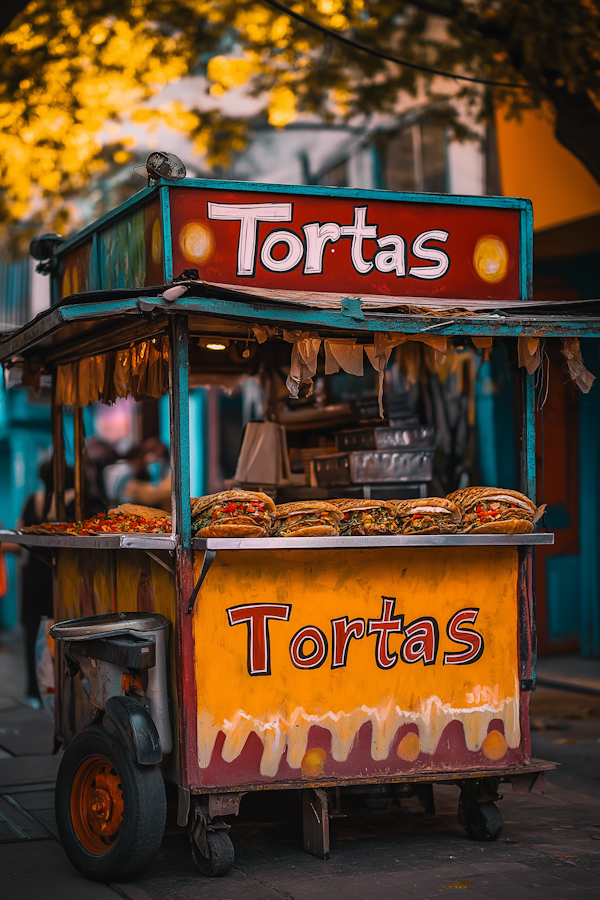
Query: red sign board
x=347, y=244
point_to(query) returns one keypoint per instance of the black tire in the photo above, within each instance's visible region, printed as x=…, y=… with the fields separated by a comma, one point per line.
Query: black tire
x=220, y=858
x=139, y=791
x=483, y=821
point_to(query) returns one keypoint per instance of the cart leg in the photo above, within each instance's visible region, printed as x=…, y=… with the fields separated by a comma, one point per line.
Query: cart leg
x=315, y=822
x=425, y=794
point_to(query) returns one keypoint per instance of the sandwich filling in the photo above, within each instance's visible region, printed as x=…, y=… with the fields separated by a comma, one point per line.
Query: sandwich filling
x=428, y=517
x=290, y=523
x=368, y=520
x=484, y=512
x=232, y=512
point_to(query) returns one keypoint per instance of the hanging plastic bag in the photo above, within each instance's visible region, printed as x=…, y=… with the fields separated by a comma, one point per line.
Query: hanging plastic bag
x=44, y=664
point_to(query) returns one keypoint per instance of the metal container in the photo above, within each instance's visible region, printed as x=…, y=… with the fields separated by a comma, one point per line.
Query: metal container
x=102, y=678
x=373, y=467
x=403, y=421
x=413, y=437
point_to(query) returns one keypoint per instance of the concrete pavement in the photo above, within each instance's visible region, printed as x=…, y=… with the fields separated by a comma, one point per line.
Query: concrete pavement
x=549, y=848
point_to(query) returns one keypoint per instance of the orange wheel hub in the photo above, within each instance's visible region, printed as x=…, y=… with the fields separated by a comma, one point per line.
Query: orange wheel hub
x=96, y=805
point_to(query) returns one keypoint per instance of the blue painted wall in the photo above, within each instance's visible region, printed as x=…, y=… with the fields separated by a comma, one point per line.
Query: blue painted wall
x=198, y=437
x=25, y=442
x=495, y=421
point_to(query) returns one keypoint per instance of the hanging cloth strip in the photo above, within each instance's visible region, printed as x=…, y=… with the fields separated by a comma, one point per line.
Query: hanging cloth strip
x=141, y=371
x=379, y=355
x=303, y=365
x=530, y=354
x=344, y=354
x=571, y=351
x=385, y=342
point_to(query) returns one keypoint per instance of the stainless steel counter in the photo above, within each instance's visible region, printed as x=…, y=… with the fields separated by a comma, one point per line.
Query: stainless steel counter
x=93, y=542
x=322, y=543
x=169, y=541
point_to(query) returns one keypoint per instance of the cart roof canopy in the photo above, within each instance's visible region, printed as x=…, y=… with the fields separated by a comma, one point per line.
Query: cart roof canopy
x=233, y=255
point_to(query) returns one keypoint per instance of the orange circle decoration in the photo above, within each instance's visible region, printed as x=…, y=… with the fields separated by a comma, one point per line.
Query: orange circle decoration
x=96, y=804
x=491, y=259
x=409, y=747
x=313, y=763
x=494, y=746
x=197, y=242
x=156, y=242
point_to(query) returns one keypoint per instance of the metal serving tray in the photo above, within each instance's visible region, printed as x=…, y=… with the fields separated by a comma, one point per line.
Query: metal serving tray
x=372, y=542
x=373, y=467
x=113, y=541
x=414, y=437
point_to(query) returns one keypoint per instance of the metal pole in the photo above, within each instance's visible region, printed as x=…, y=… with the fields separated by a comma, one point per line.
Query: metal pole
x=528, y=435
x=58, y=458
x=79, y=472
x=183, y=770
x=180, y=429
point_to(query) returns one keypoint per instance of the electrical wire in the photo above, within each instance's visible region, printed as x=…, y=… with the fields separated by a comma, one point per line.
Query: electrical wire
x=395, y=59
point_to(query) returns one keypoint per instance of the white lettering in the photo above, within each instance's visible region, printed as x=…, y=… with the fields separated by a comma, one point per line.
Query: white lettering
x=249, y=215
x=316, y=238
x=294, y=254
x=359, y=232
x=419, y=250
x=393, y=260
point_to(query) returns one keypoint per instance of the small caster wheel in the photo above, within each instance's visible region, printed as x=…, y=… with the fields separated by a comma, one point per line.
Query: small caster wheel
x=220, y=854
x=483, y=821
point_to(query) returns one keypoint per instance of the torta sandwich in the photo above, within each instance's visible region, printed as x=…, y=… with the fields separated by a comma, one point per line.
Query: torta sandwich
x=232, y=514
x=428, y=515
x=488, y=510
x=306, y=518
x=361, y=517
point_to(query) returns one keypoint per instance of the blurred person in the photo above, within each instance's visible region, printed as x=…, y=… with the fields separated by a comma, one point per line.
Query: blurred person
x=141, y=476
x=97, y=456
x=156, y=458
x=155, y=489
x=118, y=475
x=36, y=574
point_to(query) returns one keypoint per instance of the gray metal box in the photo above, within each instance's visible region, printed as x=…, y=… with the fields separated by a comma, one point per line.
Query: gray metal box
x=373, y=467
x=414, y=437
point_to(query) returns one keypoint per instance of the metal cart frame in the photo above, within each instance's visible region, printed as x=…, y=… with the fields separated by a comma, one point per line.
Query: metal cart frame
x=110, y=318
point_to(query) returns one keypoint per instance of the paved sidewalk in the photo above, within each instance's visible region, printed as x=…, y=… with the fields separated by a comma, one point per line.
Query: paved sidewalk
x=549, y=848
x=570, y=671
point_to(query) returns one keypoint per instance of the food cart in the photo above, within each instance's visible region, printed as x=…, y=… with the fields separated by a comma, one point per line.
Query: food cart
x=225, y=665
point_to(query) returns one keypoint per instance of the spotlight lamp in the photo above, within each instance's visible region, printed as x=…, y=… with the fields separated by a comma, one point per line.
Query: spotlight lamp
x=44, y=247
x=165, y=165
x=213, y=343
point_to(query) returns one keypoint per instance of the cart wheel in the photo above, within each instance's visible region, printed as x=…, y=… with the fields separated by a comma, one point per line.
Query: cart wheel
x=220, y=854
x=110, y=812
x=483, y=821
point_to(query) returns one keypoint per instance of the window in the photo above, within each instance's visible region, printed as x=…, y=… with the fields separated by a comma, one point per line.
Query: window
x=415, y=159
x=337, y=176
